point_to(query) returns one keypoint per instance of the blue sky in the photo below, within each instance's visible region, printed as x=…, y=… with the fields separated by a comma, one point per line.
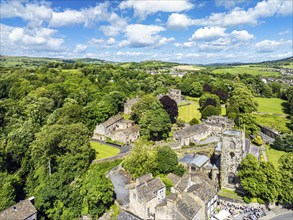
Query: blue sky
x=186, y=31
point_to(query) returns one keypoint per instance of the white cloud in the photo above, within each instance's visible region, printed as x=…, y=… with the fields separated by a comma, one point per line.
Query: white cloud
x=80, y=48
x=35, y=13
x=284, y=32
x=28, y=39
x=111, y=41
x=178, y=21
x=236, y=16
x=139, y=35
x=144, y=8
x=242, y=35
x=96, y=41
x=270, y=45
x=207, y=33
x=188, y=44
x=86, y=16
x=117, y=25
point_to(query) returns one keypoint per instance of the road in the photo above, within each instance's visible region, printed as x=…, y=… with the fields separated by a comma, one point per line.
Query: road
x=287, y=216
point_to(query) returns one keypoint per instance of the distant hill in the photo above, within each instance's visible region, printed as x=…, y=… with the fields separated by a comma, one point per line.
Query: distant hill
x=23, y=61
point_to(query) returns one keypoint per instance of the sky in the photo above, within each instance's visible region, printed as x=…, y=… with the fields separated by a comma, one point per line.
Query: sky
x=184, y=31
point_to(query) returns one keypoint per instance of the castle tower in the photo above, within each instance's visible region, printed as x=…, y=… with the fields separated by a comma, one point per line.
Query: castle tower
x=233, y=144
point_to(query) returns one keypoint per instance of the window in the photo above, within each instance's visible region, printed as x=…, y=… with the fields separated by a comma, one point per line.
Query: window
x=134, y=196
x=231, y=178
x=232, y=155
x=148, y=211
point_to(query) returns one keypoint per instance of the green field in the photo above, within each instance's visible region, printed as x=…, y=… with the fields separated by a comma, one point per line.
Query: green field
x=273, y=155
x=188, y=112
x=270, y=105
x=229, y=194
x=253, y=70
x=103, y=150
x=271, y=114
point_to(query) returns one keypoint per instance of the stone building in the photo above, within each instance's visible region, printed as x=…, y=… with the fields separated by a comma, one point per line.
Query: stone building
x=175, y=94
x=232, y=153
x=195, y=163
x=218, y=124
x=145, y=195
x=128, y=105
x=192, y=134
x=118, y=129
x=181, y=206
x=127, y=135
x=199, y=186
x=23, y=210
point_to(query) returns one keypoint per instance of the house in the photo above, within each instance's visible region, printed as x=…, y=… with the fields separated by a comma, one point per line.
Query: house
x=145, y=195
x=197, y=186
x=218, y=124
x=23, y=210
x=192, y=134
x=181, y=206
x=127, y=135
x=195, y=162
x=118, y=129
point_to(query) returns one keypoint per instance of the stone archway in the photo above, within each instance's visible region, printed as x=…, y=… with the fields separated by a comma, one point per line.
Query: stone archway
x=231, y=178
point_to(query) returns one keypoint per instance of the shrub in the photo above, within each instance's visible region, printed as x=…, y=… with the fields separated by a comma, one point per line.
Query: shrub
x=247, y=199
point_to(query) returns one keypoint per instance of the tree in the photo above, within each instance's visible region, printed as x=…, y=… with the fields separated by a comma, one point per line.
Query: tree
x=284, y=143
x=258, y=140
x=194, y=121
x=155, y=124
x=167, y=159
x=141, y=161
x=241, y=101
x=209, y=99
x=286, y=168
x=170, y=107
x=196, y=89
x=146, y=103
x=210, y=110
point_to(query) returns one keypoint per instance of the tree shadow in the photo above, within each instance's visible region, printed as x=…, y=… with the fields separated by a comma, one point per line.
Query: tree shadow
x=286, y=107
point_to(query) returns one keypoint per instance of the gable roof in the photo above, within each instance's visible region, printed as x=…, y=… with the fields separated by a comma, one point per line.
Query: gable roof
x=174, y=178
x=198, y=159
x=18, y=211
x=130, y=130
x=147, y=190
x=187, y=206
x=144, y=178
x=112, y=120
x=191, y=131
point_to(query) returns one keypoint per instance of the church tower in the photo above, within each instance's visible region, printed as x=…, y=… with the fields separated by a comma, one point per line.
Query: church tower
x=233, y=144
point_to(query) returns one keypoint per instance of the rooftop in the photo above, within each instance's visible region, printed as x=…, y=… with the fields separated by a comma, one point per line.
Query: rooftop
x=192, y=130
x=197, y=160
x=112, y=120
x=130, y=130
x=232, y=132
x=19, y=211
x=174, y=178
x=147, y=190
x=187, y=206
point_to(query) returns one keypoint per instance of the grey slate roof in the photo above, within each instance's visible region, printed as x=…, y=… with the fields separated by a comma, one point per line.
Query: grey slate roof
x=197, y=160
x=233, y=132
x=191, y=131
x=19, y=211
x=130, y=130
x=174, y=178
x=144, y=178
x=147, y=190
x=112, y=120
x=124, y=215
x=187, y=206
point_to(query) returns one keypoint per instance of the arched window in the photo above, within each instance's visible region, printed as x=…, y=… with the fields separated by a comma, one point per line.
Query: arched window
x=232, y=155
x=232, y=145
x=231, y=178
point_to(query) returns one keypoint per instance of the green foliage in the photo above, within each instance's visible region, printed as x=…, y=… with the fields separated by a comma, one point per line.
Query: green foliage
x=167, y=159
x=284, y=143
x=194, y=121
x=258, y=140
x=210, y=110
x=141, y=161
x=205, y=98
x=168, y=183
x=286, y=168
x=259, y=180
x=145, y=104
x=155, y=124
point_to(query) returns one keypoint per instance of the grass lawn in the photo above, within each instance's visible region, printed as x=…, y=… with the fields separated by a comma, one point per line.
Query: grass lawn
x=104, y=151
x=253, y=70
x=188, y=112
x=270, y=105
x=274, y=155
x=273, y=121
x=229, y=194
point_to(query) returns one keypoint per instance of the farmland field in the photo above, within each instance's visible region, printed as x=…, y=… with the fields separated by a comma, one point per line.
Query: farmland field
x=253, y=70
x=103, y=150
x=270, y=105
